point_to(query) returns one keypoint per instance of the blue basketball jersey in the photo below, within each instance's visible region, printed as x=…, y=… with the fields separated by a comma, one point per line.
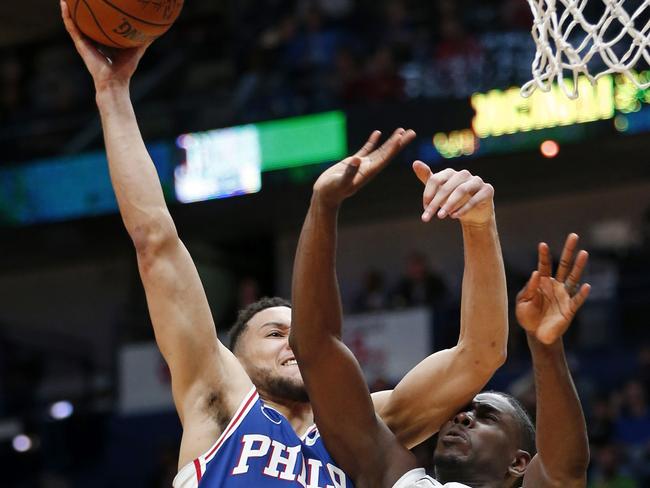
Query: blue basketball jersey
x=259, y=448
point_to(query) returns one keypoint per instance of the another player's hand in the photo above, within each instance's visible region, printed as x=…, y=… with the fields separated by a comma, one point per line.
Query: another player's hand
x=457, y=194
x=345, y=178
x=546, y=306
x=108, y=67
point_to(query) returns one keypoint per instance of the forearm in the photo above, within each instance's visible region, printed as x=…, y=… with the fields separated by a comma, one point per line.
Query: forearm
x=133, y=174
x=451, y=378
x=484, y=304
x=562, y=441
x=317, y=311
x=332, y=375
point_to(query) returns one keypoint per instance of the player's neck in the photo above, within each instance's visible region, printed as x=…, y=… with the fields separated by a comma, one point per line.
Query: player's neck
x=299, y=414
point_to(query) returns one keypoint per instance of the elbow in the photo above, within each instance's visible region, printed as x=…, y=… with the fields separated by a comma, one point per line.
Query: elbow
x=495, y=361
x=153, y=234
x=485, y=360
x=499, y=358
x=491, y=357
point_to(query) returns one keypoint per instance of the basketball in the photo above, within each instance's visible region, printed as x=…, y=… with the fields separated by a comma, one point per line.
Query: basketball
x=124, y=23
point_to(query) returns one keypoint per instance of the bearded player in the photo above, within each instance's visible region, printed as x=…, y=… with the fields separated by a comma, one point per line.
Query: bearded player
x=489, y=443
x=246, y=419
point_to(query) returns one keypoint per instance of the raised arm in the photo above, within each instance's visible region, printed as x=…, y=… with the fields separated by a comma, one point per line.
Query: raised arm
x=360, y=443
x=545, y=309
x=444, y=382
x=200, y=366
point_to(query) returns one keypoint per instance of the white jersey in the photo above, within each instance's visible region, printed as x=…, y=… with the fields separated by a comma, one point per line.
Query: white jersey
x=417, y=478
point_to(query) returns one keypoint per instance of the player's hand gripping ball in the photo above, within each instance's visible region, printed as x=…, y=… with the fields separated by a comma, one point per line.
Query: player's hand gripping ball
x=124, y=23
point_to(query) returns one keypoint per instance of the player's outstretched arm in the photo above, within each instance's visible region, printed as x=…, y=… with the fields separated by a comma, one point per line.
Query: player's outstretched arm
x=545, y=309
x=444, y=382
x=183, y=325
x=343, y=410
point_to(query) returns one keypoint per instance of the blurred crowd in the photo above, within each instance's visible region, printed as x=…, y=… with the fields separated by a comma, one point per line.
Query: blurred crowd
x=228, y=62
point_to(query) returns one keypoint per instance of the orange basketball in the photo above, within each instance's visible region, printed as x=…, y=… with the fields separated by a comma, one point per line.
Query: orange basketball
x=124, y=23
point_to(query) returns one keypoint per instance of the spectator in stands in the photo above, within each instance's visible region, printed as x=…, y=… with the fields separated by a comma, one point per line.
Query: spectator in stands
x=248, y=292
x=608, y=470
x=454, y=41
x=420, y=285
x=601, y=421
x=399, y=29
x=316, y=44
x=633, y=425
x=382, y=81
x=515, y=15
x=373, y=295
x=347, y=81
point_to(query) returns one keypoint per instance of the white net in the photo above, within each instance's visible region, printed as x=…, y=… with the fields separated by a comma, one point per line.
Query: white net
x=587, y=37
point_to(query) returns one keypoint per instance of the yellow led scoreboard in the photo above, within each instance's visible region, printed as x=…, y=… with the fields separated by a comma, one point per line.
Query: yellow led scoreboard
x=501, y=112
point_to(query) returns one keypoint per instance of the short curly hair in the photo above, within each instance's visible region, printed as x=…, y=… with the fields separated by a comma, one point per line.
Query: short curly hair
x=246, y=314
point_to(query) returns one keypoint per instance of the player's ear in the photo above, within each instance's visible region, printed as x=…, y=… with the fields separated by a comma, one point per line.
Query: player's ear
x=518, y=466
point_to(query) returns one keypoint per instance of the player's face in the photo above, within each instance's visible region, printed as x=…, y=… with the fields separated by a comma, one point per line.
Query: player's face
x=267, y=357
x=481, y=438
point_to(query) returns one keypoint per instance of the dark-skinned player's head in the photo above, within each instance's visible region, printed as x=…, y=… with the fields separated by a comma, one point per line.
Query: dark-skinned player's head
x=490, y=440
x=260, y=340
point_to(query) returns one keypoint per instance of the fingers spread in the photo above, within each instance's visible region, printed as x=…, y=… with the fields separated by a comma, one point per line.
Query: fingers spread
x=379, y=158
x=388, y=149
x=370, y=144
x=567, y=257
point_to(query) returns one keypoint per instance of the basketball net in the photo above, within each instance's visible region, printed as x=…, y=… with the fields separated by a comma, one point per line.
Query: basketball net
x=566, y=43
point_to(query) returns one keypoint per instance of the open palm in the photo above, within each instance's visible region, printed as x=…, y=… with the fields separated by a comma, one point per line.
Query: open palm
x=546, y=306
x=346, y=177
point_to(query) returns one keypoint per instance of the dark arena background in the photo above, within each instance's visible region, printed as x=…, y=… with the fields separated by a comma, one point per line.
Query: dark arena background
x=298, y=84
